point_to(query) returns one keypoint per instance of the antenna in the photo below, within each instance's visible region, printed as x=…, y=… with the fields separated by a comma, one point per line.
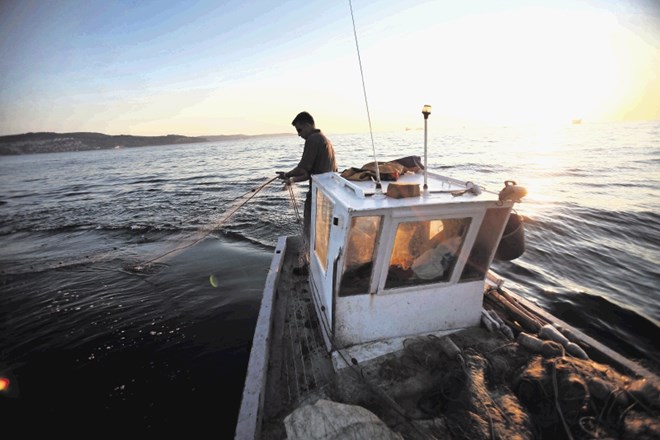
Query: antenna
x=426, y=111
x=379, y=188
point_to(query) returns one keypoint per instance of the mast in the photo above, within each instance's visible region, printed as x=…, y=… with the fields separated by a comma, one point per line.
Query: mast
x=426, y=111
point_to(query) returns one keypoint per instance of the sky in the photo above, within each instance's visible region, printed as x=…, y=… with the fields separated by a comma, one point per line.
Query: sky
x=248, y=67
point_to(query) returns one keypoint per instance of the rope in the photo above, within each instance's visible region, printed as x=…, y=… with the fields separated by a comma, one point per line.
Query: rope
x=300, y=221
x=567, y=429
x=294, y=202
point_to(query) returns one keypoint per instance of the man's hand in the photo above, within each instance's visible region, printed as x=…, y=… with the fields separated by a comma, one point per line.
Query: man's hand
x=287, y=183
x=281, y=175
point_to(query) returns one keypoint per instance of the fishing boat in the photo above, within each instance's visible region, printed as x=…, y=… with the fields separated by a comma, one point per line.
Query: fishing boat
x=388, y=322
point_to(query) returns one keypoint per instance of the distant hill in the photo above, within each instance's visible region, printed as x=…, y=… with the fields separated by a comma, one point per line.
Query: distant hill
x=233, y=137
x=47, y=142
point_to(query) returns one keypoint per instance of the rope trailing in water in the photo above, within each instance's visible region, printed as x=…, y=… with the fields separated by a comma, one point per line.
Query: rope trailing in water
x=204, y=232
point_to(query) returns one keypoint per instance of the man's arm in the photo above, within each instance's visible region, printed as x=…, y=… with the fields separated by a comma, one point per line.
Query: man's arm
x=298, y=174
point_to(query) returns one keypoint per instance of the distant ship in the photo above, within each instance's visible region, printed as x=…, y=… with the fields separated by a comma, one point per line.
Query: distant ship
x=576, y=121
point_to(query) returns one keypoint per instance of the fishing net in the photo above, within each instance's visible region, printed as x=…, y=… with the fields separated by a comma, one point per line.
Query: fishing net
x=151, y=266
x=489, y=387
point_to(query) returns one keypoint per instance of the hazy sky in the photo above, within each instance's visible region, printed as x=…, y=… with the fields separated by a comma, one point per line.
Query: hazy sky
x=226, y=67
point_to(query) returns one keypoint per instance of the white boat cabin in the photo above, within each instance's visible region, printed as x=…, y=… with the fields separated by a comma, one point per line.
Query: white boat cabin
x=383, y=267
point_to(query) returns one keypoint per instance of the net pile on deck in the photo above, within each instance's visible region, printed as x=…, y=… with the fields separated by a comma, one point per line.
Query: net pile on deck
x=477, y=384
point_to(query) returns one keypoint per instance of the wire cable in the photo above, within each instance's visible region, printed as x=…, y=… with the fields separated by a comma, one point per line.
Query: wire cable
x=366, y=103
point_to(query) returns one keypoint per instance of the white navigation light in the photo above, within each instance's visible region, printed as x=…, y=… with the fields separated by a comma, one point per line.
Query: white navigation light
x=426, y=111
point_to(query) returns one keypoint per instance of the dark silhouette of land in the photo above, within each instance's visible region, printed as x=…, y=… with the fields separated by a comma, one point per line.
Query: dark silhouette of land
x=47, y=142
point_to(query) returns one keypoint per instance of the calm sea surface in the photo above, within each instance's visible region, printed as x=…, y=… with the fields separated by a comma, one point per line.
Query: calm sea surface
x=94, y=347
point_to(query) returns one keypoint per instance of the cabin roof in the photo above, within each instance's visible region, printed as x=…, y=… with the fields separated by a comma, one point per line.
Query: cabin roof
x=442, y=190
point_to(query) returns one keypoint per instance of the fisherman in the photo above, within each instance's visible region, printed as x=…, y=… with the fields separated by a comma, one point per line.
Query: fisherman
x=318, y=157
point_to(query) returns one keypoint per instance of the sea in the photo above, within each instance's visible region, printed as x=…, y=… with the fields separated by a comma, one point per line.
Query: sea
x=131, y=278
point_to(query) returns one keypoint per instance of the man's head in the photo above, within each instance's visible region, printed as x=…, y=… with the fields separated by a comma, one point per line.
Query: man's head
x=304, y=124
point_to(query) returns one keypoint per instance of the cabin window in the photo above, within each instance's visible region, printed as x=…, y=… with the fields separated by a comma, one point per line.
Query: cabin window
x=359, y=256
x=322, y=227
x=425, y=251
x=484, y=245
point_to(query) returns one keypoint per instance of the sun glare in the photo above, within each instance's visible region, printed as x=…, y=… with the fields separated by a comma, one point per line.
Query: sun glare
x=533, y=66
x=552, y=77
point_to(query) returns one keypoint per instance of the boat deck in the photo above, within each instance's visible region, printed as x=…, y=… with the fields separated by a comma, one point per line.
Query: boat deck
x=300, y=368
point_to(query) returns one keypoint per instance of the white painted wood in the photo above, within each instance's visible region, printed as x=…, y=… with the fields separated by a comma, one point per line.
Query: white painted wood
x=372, y=350
x=365, y=318
x=382, y=313
x=250, y=413
x=359, y=195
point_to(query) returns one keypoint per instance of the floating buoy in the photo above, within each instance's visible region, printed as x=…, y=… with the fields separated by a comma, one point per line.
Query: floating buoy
x=576, y=351
x=549, y=332
x=530, y=342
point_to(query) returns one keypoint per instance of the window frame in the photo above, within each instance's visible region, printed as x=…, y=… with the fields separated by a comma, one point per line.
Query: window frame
x=387, y=243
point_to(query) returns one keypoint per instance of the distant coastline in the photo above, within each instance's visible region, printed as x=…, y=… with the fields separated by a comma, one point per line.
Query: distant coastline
x=48, y=142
